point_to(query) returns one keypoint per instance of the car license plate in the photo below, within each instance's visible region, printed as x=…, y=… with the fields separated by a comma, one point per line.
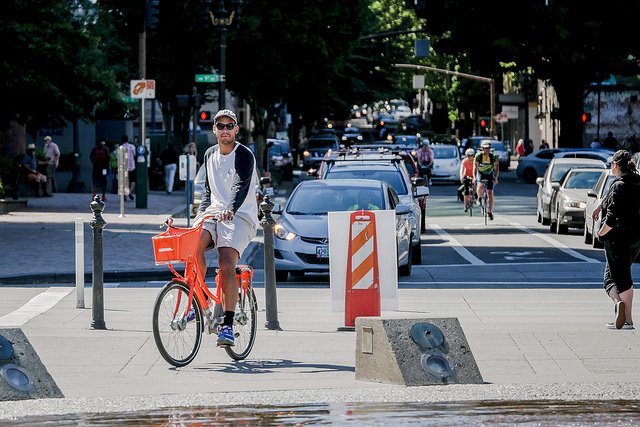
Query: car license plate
x=322, y=251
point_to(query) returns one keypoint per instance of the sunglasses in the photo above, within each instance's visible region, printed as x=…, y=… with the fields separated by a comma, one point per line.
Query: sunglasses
x=228, y=126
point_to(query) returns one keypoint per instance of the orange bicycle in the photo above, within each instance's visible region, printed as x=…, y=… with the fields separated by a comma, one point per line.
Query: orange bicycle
x=181, y=313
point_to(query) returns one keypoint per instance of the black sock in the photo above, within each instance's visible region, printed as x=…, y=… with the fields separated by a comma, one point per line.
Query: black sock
x=228, y=318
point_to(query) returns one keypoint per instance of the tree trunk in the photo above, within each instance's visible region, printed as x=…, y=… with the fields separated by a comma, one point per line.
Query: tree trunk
x=13, y=141
x=570, y=93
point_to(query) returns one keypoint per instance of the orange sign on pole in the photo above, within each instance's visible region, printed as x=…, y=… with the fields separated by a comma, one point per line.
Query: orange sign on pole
x=363, y=283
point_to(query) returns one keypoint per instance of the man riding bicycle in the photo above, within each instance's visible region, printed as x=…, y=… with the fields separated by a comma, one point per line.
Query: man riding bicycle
x=466, y=176
x=486, y=167
x=230, y=179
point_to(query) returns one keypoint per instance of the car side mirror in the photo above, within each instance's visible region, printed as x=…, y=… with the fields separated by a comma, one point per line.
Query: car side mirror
x=555, y=185
x=402, y=210
x=277, y=209
x=419, y=181
x=540, y=181
x=265, y=180
x=592, y=193
x=421, y=192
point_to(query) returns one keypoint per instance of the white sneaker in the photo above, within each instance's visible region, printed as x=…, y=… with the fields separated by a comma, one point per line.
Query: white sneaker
x=627, y=326
x=620, y=317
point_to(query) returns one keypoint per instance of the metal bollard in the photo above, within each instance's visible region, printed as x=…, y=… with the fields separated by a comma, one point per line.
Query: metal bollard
x=271, y=298
x=97, y=224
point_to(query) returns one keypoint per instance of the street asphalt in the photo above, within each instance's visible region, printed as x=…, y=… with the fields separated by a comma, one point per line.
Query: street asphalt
x=529, y=343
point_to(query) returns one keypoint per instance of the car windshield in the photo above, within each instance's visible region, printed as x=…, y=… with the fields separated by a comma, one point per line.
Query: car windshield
x=319, y=201
x=582, y=179
x=445, y=152
x=392, y=177
x=560, y=169
x=321, y=143
x=607, y=185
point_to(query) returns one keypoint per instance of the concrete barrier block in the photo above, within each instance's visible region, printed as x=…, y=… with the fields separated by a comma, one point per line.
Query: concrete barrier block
x=22, y=373
x=413, y=352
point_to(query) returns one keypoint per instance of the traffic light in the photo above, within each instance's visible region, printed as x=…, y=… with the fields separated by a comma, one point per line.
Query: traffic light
x=205, y=116
x=483, y=123
x=586, y=117
x=151, y=18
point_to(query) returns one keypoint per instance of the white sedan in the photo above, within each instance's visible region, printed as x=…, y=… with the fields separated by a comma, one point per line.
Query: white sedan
x=446, y=163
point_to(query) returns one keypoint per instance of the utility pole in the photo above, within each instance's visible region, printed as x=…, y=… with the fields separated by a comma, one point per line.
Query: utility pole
x=466, y=76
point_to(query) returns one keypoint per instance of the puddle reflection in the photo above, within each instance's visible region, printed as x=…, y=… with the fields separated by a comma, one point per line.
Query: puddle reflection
x=538, y=413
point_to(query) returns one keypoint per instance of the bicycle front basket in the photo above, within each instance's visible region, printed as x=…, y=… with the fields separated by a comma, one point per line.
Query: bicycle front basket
x=176, y=245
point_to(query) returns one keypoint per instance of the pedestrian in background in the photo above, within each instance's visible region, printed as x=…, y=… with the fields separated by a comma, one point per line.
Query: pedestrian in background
x=169, y=159
x=113, y=166
x=191, y=148
x=52, y=151
x=29, y=167
x=596, y=144
x=620, y=230
x=131, y=168
x=543, y=144
x=610, y=142
x=99, y=156
x=425, y=160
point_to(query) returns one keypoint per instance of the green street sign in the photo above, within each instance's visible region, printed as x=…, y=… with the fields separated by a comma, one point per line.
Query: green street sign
x=209, y=78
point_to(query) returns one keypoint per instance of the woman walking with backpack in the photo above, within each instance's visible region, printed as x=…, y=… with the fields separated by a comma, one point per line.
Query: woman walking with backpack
x=100, y=158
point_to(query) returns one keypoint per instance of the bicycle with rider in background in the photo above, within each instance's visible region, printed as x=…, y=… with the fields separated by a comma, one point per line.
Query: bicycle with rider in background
x=466, y=177
x=486, y=167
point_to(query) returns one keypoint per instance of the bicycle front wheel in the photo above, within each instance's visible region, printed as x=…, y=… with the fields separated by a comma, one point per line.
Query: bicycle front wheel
x=177, y=338
x=244, y=326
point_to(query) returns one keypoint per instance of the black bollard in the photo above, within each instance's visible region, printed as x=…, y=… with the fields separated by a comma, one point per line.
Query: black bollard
x=271, y=298
x=97, y=224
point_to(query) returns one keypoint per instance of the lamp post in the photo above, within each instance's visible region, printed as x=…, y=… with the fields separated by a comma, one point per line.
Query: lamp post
x=222, y=20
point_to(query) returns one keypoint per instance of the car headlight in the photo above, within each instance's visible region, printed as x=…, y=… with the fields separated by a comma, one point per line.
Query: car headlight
x=574, y=204
x=305, y=153
x=282, y=233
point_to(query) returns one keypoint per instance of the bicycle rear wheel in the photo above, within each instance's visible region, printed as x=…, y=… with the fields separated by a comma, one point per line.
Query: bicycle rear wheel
x=177, y=339
x=485, y=208
x=244, y=326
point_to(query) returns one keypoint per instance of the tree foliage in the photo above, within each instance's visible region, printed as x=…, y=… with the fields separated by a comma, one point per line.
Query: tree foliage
x=52, y=66
x=570, y=43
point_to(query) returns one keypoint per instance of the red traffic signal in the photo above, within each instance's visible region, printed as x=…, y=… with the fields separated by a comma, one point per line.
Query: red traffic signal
x=483, y=123
x=586, y=117
x=205, y=115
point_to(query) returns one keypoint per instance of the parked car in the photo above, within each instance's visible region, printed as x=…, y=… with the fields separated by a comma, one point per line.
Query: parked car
x=393, y=171
x=555, y=171
x=594, y=198
x=569, y=199
x=446, y=163
x=302, y=234
x=410, y=143
x=281, y=158
x=317, y=146
x=533, y=166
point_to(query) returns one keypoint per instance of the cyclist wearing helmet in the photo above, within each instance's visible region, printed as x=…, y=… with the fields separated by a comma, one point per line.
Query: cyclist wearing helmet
x=486, y=167
x=466, y=175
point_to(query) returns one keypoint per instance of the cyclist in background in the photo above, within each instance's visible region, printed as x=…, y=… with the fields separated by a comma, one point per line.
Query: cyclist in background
x=486, y=166
x=230, y=179
x=466, y=176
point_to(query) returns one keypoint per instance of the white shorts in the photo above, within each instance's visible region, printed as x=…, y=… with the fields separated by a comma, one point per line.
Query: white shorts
x=235, y=234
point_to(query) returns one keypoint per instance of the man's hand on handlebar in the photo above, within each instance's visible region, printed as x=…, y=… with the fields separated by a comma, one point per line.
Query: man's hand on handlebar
x=225, y=215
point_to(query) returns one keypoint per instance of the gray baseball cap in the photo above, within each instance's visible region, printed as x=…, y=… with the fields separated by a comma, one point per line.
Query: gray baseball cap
x=227, y=113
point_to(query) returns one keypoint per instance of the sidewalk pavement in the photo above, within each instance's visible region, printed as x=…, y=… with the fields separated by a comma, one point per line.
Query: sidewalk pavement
x=529, y=344
x=41, y=238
